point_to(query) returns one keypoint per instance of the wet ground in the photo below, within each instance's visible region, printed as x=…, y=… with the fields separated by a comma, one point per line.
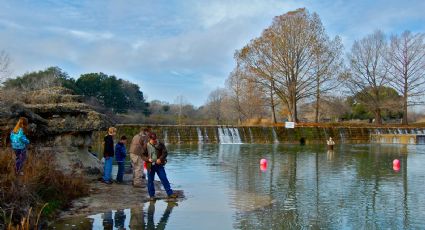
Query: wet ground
x=104, y=197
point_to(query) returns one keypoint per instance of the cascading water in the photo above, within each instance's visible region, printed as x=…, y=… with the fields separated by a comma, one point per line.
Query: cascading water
x=250, y=135
x=342, y=135
x=229, y=135
x=178, y=137
x=166, y=137
x=207, y=139
x=275, y=140
x=200, y=137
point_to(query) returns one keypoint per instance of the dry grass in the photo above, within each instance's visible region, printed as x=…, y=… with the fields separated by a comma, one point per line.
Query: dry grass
x=38, y=194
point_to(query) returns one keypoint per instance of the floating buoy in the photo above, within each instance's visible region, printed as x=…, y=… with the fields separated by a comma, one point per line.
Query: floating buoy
x=263, y=165
x=396, y=162
x=396, y=165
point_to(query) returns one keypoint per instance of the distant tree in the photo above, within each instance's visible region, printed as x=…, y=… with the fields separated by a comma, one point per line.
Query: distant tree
x=116, y=94
x=215, y=104
x=406, y=58
x=246, y=96
x=286, y=57
x=90, y=84
x=369, y=72
x=390, y=104
x=328, y=65
x=50, y=77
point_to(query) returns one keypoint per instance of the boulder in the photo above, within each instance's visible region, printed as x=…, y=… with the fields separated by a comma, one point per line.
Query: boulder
x=59, y=123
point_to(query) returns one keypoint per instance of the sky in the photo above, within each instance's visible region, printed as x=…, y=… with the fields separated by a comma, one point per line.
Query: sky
x=174, y=48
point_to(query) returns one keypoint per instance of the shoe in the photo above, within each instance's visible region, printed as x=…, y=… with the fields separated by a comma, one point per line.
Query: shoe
x=152, y=198
x=106, y=181
x=172, y=196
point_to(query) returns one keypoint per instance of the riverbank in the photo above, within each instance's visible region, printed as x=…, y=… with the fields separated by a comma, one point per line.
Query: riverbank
x=105, y=197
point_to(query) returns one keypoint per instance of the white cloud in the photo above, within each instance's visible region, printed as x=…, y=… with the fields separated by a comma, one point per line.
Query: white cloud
x=186, y=46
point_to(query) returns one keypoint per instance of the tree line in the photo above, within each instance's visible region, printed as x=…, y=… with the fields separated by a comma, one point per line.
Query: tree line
x=99, y=89
x=294, y=64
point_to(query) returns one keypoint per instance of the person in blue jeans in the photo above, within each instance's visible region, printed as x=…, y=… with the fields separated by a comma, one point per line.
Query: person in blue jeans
x=19, y=143
x=120, y=154
x=155, y=154
x=108, y=154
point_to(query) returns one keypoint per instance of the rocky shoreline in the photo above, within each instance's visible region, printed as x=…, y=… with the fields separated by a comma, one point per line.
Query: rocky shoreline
x=104, y=197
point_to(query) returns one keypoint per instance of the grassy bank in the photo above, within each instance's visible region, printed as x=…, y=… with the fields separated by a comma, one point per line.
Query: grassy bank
x=29, y=200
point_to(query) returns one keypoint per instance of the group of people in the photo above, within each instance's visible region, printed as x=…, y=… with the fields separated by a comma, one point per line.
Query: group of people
x=145, y=149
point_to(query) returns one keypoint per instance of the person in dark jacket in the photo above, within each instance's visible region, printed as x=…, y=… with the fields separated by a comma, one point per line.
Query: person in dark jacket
x=155, y=154
x=120, y=154
x=19, y=143
x=108, y=154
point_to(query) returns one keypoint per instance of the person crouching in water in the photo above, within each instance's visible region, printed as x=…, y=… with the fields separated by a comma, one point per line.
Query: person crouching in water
x=120, y=154
x=136, y=149
x=19, y=143
x=155, y=155
x=108, y=154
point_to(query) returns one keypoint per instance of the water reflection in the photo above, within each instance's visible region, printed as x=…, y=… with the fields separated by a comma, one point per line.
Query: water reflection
x=304, y=187
x=134, y=218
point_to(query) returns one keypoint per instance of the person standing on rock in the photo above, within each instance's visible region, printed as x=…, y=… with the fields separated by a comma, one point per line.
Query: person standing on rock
x=120, y=154
x=19, y=143
x=155, y=154
x=136, y=149
x=108, y=154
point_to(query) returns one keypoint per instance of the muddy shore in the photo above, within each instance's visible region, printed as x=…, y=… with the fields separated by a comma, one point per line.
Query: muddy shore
x=106, y=197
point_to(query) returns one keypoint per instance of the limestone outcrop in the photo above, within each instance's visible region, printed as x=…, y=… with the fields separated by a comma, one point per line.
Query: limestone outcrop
x=59, y=122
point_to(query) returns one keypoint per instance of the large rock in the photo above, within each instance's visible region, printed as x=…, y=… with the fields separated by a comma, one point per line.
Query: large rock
x=59, y=123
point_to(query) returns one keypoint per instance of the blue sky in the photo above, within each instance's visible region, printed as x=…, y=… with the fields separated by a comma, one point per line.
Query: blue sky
x=173, y=48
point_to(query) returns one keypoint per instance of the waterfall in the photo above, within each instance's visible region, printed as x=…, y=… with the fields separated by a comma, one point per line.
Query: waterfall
x=229, y=135
x=342, y=135
x=166, y=137
x=250, y=135
x=178, y=137
x=326, y=133
x=207, y=139
x=200, y=137
x=275, y=140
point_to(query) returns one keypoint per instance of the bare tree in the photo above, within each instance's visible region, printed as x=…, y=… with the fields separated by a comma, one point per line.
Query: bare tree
x=236, y=83
x=215, y=104
x=406, y=58
x=285, y=57
x=328, y=66
x=4, y=65
x=246, y=96
x=369, y=72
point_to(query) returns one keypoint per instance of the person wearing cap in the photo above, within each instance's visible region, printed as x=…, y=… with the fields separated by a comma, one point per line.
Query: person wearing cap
x=155, y=155
x=108, y=154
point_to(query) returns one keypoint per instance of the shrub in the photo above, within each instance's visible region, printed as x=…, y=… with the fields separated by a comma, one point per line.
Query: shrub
x=39, y=193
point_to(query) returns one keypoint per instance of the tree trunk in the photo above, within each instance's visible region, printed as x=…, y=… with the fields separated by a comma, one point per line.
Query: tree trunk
x=404, y=121
x=272, y=102
x=378, y=118
x=316, y=118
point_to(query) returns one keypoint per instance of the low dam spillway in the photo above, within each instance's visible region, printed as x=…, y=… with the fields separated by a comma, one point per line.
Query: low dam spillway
x=198, y=134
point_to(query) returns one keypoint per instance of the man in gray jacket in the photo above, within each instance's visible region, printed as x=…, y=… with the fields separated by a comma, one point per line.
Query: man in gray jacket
x=136, y=150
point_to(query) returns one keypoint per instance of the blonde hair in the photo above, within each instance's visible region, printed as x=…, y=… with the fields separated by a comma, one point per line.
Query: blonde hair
x=112, y=130
x=22, y=123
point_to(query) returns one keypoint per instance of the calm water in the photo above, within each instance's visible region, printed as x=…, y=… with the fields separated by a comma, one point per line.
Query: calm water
x=353, y=187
